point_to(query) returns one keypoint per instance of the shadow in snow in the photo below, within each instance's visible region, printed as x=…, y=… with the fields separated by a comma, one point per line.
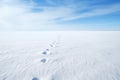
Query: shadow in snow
x=44, y=53
x=43, y=60
x=35, y=78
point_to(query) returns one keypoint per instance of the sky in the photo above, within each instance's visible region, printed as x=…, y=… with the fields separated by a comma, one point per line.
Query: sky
x=40, y=15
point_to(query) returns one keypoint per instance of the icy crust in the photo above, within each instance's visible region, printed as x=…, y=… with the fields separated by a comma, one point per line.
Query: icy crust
x=84, y=55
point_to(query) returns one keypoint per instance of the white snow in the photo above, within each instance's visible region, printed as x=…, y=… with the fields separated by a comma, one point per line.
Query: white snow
x=60, y=55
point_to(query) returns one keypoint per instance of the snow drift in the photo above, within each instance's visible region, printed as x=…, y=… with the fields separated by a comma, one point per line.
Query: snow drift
x=60, y=55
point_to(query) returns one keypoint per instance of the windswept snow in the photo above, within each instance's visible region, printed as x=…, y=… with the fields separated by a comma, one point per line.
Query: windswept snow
x=60, y=55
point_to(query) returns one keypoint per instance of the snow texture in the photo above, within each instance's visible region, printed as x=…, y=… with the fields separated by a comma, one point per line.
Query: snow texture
x=60, y=55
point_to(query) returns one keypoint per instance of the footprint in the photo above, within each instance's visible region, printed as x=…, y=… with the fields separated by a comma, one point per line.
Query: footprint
x=43, y=60
x=51, y=45
x=44, y=53
x=35, y=78
x=47, y=49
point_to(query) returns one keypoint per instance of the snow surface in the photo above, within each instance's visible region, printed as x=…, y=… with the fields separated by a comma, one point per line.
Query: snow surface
x=60, y=55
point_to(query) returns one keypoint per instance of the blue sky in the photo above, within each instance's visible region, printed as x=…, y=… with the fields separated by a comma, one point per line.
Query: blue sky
x=37, y=15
